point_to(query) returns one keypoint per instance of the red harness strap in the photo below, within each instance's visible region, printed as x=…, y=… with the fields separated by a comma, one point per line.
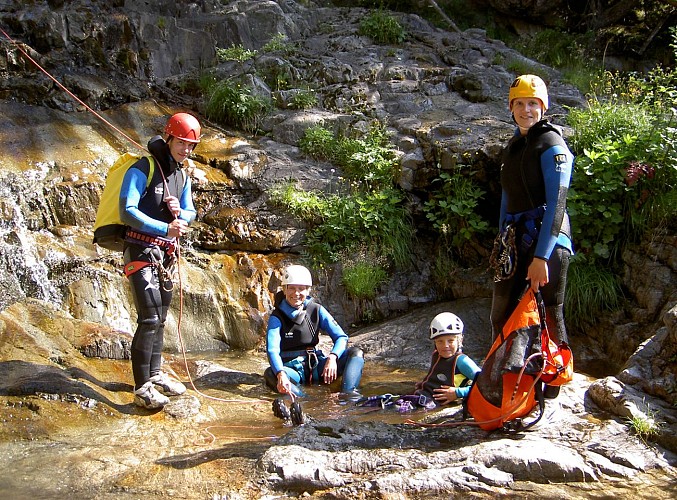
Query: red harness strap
x=134, y=266
x=151, y=240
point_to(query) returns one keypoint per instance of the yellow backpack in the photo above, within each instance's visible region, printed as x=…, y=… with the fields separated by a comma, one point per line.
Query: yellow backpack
x=109, y=230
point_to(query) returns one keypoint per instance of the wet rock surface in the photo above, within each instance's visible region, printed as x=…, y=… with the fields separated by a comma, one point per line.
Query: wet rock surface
x=68, y=423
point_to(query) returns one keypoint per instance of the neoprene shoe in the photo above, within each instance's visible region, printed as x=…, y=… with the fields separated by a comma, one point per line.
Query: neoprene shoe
x=280, y=410
x=147, y=396
x=166, y=385
x=297, y=415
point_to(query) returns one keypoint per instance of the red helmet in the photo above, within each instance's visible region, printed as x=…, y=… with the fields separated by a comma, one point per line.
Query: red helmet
x=183, y=126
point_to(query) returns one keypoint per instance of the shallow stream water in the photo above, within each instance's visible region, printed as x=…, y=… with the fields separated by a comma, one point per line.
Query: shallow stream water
x=255, y=420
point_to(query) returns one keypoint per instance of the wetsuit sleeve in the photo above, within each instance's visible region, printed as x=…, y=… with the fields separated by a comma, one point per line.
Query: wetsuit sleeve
x=504, y=209
x=556, y=165
x=132, y=190
x=469, y=369
x=273, y=341
x=187, y=208
x=329, y=325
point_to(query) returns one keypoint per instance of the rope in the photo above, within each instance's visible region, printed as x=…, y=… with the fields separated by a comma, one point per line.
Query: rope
x=27, y=56
x=178, y=246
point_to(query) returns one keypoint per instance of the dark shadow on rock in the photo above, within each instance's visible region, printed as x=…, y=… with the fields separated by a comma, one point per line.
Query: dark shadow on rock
x=346, y=434
x=218, y=379
x=21, y=378
x=78, y=373
x=243, y=449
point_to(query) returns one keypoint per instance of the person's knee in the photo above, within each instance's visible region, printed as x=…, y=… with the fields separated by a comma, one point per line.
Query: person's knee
x=355, y=352
x=270, y=378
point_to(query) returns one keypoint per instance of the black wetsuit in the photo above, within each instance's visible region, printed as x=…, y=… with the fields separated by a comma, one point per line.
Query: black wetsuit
x=535, y=177
x=146, y=212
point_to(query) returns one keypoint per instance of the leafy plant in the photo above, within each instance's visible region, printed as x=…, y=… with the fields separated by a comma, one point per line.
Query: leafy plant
x=363, y=273
x=309, y=206
x=382, y=28
x=452, y=207
x=591, y=290
x=626, y=165
x=369, y=209
x=304, y=99
x=645, y=425
x=230, y=103
x=235, y=53
x=279, y=43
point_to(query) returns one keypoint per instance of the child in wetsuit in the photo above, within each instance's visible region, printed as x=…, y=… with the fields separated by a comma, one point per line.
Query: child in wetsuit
x=451, y=371
x=449, y=375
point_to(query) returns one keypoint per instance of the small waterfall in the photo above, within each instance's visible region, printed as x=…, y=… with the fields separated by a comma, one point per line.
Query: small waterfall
x=24, y=263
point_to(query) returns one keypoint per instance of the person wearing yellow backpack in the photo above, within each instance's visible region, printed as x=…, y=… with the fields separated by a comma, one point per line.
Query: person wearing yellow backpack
x=157, y=213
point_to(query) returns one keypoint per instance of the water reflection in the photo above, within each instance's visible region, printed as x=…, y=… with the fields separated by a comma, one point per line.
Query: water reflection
x=253, y=419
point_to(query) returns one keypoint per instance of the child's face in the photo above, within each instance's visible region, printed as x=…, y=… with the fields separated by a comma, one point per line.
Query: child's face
x=447, y=345
x=296, y=294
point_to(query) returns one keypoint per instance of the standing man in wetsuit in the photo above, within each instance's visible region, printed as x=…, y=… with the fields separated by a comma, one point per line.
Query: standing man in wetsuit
x=534, y=224
x=156, y=216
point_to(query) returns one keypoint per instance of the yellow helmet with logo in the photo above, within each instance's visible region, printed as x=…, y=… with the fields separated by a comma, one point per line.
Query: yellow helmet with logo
x=528, y=86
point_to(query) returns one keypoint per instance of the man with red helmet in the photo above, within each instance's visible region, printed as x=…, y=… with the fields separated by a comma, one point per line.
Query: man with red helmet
x=157, y=213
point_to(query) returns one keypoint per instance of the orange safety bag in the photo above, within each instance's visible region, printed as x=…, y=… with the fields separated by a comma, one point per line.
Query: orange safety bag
x=520, y=362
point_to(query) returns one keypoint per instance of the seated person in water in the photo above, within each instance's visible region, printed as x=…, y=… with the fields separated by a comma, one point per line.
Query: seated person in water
x=450, y=374
x=451, y=371
x=293, y=334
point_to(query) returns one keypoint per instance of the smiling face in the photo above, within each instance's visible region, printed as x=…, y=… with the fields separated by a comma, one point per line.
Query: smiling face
x=448, y=345
x=180, y=149
x=296, y=294
x=527, y=112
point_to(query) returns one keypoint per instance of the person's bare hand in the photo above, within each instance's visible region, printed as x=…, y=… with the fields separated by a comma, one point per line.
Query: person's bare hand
x=177, y=228
x=284, y=385
x=174, y=205
x=445, y=394
x=537, y=274
x=329, y=373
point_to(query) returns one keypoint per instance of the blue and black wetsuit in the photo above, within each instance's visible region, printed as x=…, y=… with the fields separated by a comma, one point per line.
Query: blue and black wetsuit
x=145, y=212
x=535, y=177
x=457, y=371
x=291, y=344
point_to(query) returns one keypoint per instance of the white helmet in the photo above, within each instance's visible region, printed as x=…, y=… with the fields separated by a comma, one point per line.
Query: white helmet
x=445, y=323
x=296, y=275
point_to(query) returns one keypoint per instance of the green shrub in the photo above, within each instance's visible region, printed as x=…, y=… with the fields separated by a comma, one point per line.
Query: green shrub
x=382, y=28
x=309, y=206
x=279, y=43
x=452, y=208
x=363, y=273
x=303, y=99
x=645, y=425
x=235, y=53
x=319, y=143
x=232, y=104
x=626, y=163
x=378, y=218
x=369, y=209
x=591, y=291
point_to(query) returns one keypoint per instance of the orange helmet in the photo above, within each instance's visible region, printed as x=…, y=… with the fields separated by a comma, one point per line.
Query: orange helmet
x=183, y=126
x=528, y=86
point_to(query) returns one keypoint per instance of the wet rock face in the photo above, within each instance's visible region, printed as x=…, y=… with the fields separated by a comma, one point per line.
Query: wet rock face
x=75, y=413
